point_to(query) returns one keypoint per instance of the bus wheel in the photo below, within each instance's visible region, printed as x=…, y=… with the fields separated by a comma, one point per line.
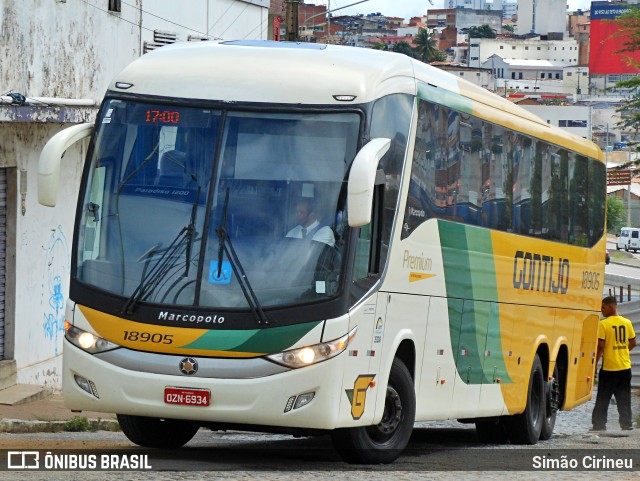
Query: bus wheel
x=552, y=404
x=491, y=431
x=384, y=442
x=157, y=433
x=525, y=428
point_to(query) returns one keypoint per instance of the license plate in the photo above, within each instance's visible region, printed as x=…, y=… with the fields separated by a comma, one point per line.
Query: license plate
x=187, y=396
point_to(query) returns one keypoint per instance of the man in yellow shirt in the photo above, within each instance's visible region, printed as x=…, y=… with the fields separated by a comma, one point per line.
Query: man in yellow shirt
x=616, y=338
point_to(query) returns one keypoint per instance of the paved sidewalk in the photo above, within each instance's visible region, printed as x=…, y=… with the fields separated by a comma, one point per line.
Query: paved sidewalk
x=50, y=415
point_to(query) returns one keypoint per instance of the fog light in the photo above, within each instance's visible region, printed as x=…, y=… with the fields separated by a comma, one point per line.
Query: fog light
x=304, y=399
x=289, y=405
x=83, y=383
x=86, y=385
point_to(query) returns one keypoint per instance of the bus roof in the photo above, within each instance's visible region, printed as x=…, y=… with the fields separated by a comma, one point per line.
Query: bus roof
x=268, y=72
x=312, y=74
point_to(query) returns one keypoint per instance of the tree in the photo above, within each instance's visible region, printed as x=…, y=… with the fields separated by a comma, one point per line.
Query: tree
x=616, y=214
x=629, y=24
x=405, y=48
x=508, y=28
x=427, y=47
x=379, y=46
x=483, y=31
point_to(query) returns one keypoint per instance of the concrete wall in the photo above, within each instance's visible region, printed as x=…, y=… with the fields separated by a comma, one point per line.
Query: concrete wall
x=217, y=19
x=39, y=240
x=73, y=49
x=67, y=50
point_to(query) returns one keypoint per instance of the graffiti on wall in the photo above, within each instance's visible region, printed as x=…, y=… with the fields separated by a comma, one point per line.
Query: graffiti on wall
x=56, y=273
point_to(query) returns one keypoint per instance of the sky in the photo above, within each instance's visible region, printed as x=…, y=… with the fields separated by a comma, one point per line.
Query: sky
x=404, y=8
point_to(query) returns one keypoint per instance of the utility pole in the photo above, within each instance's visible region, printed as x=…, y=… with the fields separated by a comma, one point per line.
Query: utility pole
x=328, y=20
x=579, y=72
x=292, y=20
x=629, y=188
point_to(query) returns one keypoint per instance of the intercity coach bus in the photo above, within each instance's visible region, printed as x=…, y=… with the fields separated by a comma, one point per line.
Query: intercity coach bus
x=459, y=275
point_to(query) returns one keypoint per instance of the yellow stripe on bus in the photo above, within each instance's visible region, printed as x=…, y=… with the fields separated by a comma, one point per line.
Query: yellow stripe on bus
x=152, y=338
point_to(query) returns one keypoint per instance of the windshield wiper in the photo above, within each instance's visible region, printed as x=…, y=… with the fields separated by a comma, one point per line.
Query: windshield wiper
x=191, y=233
x=165, y=264
x=150, y=281
x=225, y=245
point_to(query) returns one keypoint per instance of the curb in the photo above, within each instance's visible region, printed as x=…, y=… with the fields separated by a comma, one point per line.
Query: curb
x=76, y=424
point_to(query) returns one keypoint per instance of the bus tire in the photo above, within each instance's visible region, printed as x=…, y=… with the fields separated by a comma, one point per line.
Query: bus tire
x=157, y=433
x=525, y=428
x=384, y=442
x=552, y=404
x=491, y=431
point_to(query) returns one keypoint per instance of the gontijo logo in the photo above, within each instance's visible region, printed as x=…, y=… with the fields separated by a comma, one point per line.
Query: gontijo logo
x=540, y=272
x=358, y=395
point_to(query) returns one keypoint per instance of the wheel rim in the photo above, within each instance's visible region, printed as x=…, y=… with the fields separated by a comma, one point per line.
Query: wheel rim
x=391, y=418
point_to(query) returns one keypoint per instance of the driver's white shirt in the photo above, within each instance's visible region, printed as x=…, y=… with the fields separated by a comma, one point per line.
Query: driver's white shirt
x=323, y=234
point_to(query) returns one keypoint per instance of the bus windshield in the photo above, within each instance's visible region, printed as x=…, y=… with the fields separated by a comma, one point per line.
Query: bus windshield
x=201, y=207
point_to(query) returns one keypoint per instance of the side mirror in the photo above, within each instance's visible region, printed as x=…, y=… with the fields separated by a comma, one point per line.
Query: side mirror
x=362, y=181
x=50, y=157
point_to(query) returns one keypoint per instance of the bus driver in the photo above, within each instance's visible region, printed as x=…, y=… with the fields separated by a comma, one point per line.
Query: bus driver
x=308, y=224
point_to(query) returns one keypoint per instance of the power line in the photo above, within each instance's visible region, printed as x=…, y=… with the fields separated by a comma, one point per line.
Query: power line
x=148, y=13
x=231, y=24
x=164, y=19
x=206, y=34
x=118, y=17
x=256, y=28
x=223, y=14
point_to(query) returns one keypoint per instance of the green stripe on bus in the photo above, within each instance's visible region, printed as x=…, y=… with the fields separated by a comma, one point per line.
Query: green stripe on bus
x=445, y=97
x=269, y=340
x=472, y=300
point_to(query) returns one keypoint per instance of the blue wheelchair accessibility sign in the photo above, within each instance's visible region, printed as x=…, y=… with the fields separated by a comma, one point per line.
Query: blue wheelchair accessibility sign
x=225, y=273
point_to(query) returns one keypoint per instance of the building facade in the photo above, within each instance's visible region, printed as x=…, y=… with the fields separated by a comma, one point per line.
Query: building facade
x=542, y=17
x=560, y=52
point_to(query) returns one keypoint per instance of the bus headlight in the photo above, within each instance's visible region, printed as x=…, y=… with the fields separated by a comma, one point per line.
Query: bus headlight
x=87, y=341
x=305, y=356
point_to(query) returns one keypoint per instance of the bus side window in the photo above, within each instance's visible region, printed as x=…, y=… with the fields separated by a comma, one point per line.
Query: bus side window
x=369, y=245
x=363, y=247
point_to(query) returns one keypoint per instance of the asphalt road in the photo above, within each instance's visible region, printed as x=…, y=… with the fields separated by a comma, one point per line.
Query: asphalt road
x=438, y=450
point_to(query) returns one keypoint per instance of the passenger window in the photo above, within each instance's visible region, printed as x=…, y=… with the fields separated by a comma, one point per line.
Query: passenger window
x=363, y=247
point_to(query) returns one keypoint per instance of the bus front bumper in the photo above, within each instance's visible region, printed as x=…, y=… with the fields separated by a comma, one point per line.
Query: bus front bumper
x=267, y=401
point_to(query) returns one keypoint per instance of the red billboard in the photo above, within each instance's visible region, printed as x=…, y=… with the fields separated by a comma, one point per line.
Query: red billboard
x=607, y=39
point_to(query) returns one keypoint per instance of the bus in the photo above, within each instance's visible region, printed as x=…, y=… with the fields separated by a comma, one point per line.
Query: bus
x=459, y=275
